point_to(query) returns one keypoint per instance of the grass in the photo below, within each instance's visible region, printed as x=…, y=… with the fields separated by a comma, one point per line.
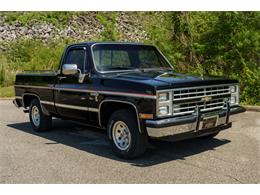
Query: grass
x=7, y=91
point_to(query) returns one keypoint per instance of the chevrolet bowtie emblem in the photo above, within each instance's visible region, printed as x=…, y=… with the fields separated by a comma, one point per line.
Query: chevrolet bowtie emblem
x=206, y=98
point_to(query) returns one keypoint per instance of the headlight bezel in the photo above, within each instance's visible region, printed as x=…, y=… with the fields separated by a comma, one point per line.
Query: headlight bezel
x=165, y=95
x=233, y=88
x=164, y=103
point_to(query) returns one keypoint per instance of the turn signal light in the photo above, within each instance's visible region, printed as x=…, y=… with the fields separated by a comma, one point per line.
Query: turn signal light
x=145, y=116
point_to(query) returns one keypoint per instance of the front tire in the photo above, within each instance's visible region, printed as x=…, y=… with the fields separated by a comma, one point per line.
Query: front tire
x=124, y=135
x=39, y=121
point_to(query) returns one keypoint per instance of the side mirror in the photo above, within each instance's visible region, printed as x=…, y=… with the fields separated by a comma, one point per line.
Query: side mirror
x=69, y=69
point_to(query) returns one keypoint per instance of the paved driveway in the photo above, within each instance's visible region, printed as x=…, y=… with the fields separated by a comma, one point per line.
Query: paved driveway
x=74, y=154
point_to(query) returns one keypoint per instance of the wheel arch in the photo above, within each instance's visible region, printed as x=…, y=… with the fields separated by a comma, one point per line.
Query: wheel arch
x=28, y=97
x=105, y=110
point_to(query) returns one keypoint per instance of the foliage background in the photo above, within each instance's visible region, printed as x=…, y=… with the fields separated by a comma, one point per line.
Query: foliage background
x=215, y=43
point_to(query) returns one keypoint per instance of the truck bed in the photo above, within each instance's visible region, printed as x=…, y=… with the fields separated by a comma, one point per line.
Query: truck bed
x=36, y=77
x=40, y=83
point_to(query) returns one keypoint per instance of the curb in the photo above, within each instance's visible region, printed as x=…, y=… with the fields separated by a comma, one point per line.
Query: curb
x=252, y=108
x=7, y=98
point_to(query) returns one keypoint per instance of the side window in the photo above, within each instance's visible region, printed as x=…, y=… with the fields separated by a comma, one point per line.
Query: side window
x=76, y=56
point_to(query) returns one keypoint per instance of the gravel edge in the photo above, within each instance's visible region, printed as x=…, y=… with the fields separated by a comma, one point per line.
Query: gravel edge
x=252, y=108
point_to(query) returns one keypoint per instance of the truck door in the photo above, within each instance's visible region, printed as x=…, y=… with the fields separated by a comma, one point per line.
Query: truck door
x=71, y=98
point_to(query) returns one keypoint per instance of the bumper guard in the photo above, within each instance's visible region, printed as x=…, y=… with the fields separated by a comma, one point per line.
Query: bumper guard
x=191, y=126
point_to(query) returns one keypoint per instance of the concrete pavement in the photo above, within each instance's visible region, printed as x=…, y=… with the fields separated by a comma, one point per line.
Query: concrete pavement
x=74, y=154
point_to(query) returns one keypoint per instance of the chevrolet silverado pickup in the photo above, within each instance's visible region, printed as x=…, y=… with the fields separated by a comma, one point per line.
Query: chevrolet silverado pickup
x=132, y=91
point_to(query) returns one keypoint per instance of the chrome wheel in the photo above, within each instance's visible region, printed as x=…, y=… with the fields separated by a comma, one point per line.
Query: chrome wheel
x=121, y=135
x=35, y=115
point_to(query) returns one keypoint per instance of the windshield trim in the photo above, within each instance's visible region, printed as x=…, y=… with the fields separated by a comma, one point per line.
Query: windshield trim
x=126, y=43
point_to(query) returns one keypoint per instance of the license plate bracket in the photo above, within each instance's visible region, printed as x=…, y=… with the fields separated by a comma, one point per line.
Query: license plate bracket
x=209, y=122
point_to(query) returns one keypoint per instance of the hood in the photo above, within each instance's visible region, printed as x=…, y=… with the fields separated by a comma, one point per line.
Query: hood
x=163, y=79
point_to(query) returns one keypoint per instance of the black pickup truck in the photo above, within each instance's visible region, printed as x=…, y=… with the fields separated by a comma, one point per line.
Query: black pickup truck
x=132, y=91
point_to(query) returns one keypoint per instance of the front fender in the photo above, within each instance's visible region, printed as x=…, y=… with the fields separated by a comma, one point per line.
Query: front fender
x=125, y=101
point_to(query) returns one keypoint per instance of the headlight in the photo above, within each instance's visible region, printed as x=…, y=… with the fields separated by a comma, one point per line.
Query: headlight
x=163, y=110
x=234, y=99
x=164, y=96
x=233, y=89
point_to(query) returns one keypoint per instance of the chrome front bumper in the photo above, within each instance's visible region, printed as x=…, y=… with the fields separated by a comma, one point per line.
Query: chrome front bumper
x=190, y=126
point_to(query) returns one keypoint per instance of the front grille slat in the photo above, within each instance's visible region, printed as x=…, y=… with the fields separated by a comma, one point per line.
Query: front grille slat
x=187, y=98
x=195, y=94
x=207, y=98
x=190, y=107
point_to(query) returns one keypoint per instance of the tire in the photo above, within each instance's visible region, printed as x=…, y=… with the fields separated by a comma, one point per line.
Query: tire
x=40, y=122
x=120, y=122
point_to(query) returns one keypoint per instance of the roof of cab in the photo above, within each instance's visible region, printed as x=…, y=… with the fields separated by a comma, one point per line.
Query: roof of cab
x=92, y=43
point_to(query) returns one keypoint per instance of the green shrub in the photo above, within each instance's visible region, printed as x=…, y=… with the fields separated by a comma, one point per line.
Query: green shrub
x=211, y=43
x=3, y=65
x=34, y=55
x=2, y=75
x=108, y=20
x=29, y=55
x=159, y=28
x=214, y=43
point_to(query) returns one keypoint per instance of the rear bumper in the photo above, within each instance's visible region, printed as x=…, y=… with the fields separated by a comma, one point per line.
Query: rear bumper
x=190, y=126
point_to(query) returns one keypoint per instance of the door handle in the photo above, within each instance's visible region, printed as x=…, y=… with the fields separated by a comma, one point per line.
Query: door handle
x=94, y=95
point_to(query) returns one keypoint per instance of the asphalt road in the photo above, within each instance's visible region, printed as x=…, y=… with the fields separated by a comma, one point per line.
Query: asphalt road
x=74, y=154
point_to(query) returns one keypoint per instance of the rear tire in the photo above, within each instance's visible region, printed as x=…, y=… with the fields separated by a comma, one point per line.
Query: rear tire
x=124, y=135
x=39, y=121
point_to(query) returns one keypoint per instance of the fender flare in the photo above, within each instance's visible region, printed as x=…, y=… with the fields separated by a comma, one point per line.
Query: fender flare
x=119, y=101
x=44, y=110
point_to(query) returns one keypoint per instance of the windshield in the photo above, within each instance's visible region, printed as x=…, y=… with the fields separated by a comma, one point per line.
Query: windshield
x=114, y=57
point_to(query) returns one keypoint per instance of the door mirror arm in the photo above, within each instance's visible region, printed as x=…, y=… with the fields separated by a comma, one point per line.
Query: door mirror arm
x=82, y=76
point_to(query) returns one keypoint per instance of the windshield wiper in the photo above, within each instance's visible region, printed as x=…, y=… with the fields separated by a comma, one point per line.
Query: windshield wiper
x=119, y=68
x=154, y=68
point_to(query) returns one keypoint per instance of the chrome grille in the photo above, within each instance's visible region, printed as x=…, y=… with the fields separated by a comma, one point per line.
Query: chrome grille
x=185, y=100
x=199, y=92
